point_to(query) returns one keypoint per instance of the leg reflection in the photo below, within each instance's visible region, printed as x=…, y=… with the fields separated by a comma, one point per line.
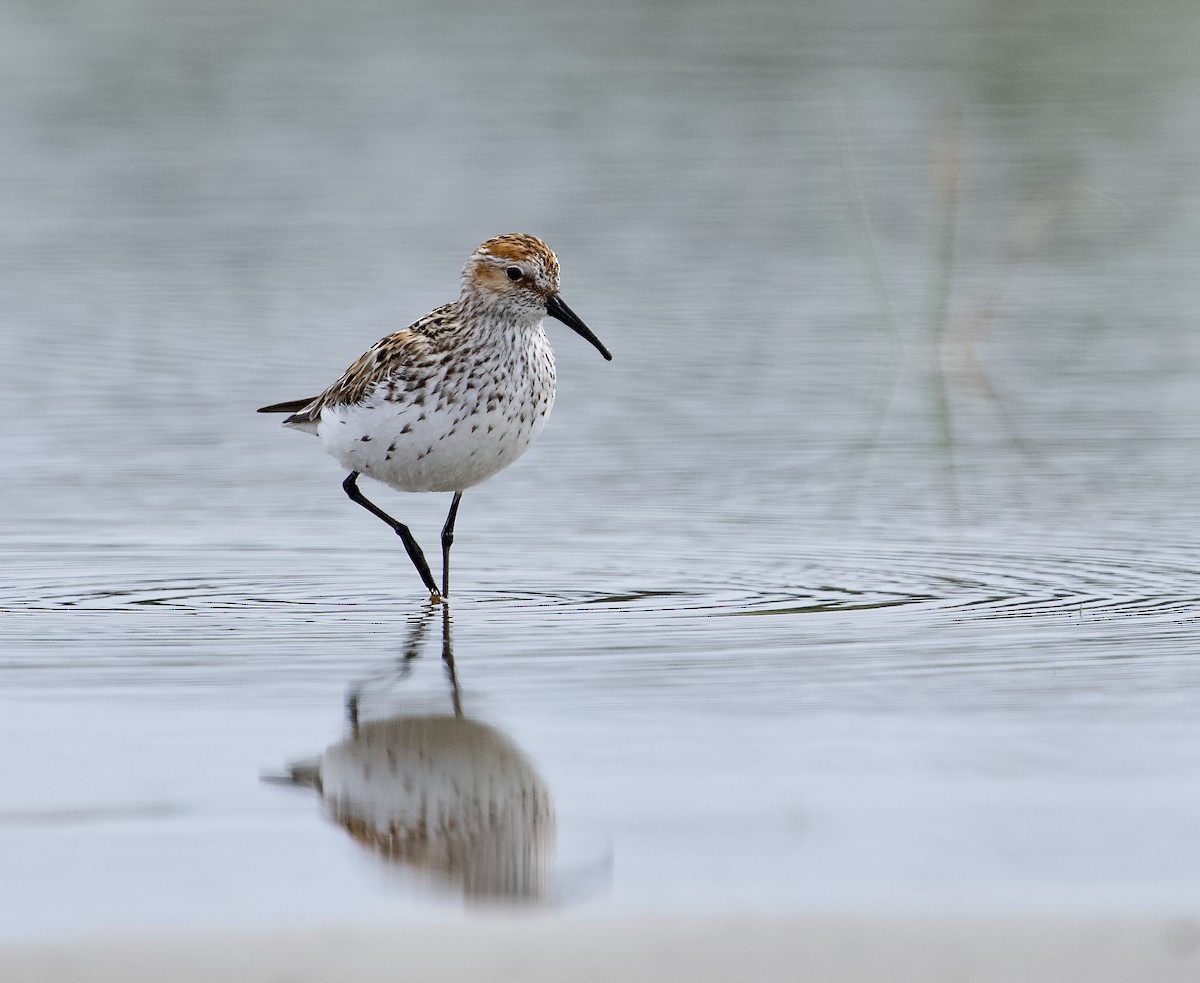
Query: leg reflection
x=403, y=666
x=448, y=659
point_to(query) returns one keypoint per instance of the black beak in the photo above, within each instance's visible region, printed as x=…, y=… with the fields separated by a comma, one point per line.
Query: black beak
x=561, y=312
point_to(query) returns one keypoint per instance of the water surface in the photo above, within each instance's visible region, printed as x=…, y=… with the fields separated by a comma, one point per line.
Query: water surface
x=865, y=576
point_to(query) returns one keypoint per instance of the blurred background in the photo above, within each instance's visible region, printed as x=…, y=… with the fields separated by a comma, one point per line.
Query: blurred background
x=865, y=576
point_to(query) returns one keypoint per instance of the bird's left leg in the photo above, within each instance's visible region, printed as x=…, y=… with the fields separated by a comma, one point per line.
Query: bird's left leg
x=447, y=542
x=411, y=546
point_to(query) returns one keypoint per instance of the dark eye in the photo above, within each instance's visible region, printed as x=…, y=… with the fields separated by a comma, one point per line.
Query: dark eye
x=514, y=273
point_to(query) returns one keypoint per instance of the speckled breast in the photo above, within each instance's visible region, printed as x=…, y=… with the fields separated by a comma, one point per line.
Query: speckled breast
x=459, y=434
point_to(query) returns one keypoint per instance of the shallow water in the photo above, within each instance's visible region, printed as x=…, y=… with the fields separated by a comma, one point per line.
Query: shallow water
x=866, y=575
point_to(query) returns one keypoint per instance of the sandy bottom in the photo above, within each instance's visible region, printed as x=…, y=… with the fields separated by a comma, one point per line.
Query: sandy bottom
x=661, y=949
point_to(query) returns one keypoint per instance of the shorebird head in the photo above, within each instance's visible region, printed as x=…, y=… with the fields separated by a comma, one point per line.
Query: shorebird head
x=518, y=274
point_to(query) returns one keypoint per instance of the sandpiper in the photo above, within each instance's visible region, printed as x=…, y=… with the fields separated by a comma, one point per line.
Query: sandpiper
x=453, y=398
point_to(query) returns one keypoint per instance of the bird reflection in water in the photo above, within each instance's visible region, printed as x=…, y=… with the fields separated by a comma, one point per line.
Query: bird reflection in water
x=443, y=795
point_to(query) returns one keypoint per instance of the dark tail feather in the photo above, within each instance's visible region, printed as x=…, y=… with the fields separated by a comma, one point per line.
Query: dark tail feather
x=291, y=406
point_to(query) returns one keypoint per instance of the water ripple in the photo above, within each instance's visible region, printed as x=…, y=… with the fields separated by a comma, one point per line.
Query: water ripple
x=947, y=582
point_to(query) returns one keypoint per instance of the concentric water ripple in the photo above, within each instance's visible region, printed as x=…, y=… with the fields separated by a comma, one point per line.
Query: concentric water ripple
x=949, y=582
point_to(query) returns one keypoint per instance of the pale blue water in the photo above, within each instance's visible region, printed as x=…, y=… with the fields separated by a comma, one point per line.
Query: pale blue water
x=781, y=615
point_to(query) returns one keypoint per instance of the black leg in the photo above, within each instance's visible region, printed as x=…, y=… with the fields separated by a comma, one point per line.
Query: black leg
x=447, y=542
x=410, y=545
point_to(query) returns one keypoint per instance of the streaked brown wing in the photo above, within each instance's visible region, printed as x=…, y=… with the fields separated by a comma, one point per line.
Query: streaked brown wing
x=386, y=360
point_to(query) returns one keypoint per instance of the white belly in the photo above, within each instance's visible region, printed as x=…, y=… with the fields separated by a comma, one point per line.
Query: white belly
x=437, y=447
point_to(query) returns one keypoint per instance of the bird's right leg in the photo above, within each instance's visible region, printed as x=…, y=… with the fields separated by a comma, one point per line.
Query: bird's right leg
x=447, y=542
x=411, y=546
